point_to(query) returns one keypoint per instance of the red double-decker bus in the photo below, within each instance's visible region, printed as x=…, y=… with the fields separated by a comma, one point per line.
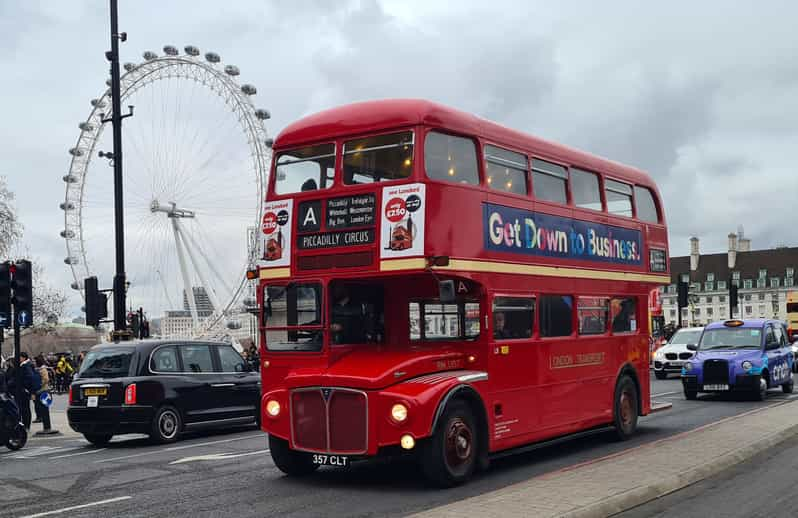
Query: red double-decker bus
x=437, y=284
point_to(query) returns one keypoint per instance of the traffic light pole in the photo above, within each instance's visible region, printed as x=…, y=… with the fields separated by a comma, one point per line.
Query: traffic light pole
x=19, y=392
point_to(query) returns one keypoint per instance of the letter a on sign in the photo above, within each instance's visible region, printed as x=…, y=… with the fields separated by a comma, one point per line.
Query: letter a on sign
x=461, y=288
x=310, y=217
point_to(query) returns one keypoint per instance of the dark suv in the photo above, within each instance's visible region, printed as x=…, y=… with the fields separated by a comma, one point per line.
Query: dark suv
x=161, y=388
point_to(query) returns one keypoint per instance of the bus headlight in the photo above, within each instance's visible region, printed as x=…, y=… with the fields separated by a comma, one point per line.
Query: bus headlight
x=399, y=412
x=747, y=366
x=688, y=367
x=273, y=408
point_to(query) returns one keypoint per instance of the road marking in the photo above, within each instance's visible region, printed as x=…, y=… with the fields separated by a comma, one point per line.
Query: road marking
x=174, y=448
x=42, y=452
x=67, y=509
x=98, y=450
x=217, y=456
x=666, y=393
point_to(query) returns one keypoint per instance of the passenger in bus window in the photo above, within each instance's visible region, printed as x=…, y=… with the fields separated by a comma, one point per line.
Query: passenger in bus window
x=347, y=317
x=500, y=329
x=309, y=185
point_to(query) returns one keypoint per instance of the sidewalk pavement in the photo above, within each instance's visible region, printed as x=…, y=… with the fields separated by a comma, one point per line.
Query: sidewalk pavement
x=630, y=478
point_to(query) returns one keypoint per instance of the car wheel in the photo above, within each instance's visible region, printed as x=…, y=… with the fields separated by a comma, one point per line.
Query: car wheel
x=660, y=375
x=291, y=462
x=625, y=408
x=788, y=387
x=98, y=439
x=166, y=425
x=762, y=393
x=449, y=457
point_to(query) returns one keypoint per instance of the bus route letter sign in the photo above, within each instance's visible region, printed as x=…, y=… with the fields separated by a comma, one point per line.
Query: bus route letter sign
x=275, y=235
x=531, y=233
x=402, y=231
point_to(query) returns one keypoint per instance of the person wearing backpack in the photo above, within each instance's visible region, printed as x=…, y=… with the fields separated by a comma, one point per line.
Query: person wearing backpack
x=31, y=383
x=42, y=410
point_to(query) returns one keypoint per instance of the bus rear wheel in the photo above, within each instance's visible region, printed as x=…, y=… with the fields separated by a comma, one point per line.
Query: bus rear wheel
x=625, y=408
x=449, y=457
x=291, y=462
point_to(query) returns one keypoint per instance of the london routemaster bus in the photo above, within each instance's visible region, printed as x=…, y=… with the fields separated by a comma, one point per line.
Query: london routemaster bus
x=435, y=284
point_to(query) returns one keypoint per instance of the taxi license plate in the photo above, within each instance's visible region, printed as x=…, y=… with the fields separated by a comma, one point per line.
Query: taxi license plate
x=99, y=391
x=716, y=387
x=330, y=460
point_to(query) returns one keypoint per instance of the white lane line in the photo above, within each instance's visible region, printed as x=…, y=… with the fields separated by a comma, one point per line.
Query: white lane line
x=217, y=456
x=666, y=393
x=173, y=448
x=98, y=450
x=67, y=509
x=41, y=453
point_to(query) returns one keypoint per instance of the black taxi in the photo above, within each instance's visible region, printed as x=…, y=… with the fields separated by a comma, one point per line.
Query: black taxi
x=161, y=388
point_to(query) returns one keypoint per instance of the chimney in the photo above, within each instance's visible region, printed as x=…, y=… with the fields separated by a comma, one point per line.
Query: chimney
x=744, y=245
x=694, y=254
x=732, y=250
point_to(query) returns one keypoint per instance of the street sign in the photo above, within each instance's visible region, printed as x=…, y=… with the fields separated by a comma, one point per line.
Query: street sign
x=23, y=317
x=46, y=399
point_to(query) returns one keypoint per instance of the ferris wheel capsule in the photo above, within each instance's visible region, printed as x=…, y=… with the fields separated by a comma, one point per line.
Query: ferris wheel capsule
x=191, y=50
x=85, y=126
x=231, y=70
x=212, y=57
x=249, y=89
x=67, y=205
x=67, y=233
x=98, y=103
x=69, y=178
x=150, y=55
x=262, y=114
x=170, y=50
x=76, y=151
x=129, y=66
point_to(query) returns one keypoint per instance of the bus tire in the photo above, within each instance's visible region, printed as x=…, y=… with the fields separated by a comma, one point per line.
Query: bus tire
x=625, y=408
x=449, y=457
x=291, y=462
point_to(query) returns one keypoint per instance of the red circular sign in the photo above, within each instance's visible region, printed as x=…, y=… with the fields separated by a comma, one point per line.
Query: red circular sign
x=269, y=223
x=395, y=210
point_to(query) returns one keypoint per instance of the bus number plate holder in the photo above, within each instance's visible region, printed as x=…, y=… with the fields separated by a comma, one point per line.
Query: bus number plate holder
x=330, y=460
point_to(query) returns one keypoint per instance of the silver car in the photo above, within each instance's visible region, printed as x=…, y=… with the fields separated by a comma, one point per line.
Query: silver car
x=670, y=357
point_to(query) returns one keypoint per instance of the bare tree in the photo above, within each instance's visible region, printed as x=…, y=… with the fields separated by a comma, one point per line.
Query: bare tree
x=49, y=303
x=10, y=227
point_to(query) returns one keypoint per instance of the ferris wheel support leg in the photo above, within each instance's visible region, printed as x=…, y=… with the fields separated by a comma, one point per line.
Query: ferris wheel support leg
x=184, y=271
x=210, y=266
x=208, y=288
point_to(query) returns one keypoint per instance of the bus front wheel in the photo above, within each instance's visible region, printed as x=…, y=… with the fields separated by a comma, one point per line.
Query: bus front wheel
x=449, y=457
x=290, y=462
x=625, y=408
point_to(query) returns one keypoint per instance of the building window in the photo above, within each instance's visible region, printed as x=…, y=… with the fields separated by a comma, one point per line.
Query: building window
x=790, y=272
x=673, y=313
x=698, y=312
x=506, y=170
x=722, y=285
x=548, y=181
x=775, y=307
x=619, y=197
x=722, y=298
x=709, y=286
x=450, y=158
x=624, y=315
x=761, y=296
x=672, y=289
x=762, y=273
x=789, y=281
x=710, y=277
x=646, y=208
x=748, y=310
x=709, y=312
x=556, y=315
x=695, y=287
x=761, y=310
x=760, y=283
x=592, y=314
x=747, y=297
x=736, y=276
x=721, y=311
x=775, y=282
x=709, y=300
x=684, y=312
x=685, y=277
x=585, y=189
x=748, y=284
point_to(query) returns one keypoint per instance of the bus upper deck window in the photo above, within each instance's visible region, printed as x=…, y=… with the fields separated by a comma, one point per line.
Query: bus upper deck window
x=305, y=169
x=619, y=198
x=644, y=203
x=506, y=170
x=450, y=158
x=585, y=189
x=378, y=159
x=549, y=181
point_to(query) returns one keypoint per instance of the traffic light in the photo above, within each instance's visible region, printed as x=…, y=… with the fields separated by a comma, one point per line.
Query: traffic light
x=96, y=302
x=733, y=299
x=23, y=292
x=5, y=295
x=682, y=291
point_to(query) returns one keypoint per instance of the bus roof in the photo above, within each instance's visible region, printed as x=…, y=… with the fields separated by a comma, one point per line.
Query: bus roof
x=372, y=116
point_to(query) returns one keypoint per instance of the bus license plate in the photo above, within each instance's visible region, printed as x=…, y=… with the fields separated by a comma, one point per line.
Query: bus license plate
x=716, y=387
x=330, y=460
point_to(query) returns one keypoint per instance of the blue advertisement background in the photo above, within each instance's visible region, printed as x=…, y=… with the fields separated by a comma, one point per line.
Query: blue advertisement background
x=572, y=228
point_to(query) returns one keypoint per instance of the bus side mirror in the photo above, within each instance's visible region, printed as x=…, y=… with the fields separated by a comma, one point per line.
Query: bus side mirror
x=692, y=347
x=446, y=291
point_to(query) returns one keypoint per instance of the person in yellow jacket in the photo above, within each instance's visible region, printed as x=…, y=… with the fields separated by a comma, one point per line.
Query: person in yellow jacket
x=63, y=372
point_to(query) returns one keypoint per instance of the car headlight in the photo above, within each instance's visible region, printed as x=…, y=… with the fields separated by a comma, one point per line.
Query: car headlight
x=273, y=408
x=659, y=354
x=687, y=367
x=747, y=365
x=399, y=412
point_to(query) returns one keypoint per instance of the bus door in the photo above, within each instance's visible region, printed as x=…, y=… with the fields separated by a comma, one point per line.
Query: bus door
x=512, y=358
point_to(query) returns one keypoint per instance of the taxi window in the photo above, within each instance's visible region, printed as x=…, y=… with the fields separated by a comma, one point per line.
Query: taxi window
x=777, y=331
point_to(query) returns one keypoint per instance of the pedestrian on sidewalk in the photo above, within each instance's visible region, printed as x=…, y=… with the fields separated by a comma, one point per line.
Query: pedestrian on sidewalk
x=31, y=382
x=43, y=410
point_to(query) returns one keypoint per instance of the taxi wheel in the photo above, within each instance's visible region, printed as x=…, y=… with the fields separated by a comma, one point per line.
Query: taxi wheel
x=625, y=408
x=98, y=439
x=449, y=457
x=291, y=462
x=762, y=393
x=788, y=387
x=660, y=375
x=166, y=425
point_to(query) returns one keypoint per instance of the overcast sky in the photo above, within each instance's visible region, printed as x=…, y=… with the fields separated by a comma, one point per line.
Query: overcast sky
x=702, y=95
